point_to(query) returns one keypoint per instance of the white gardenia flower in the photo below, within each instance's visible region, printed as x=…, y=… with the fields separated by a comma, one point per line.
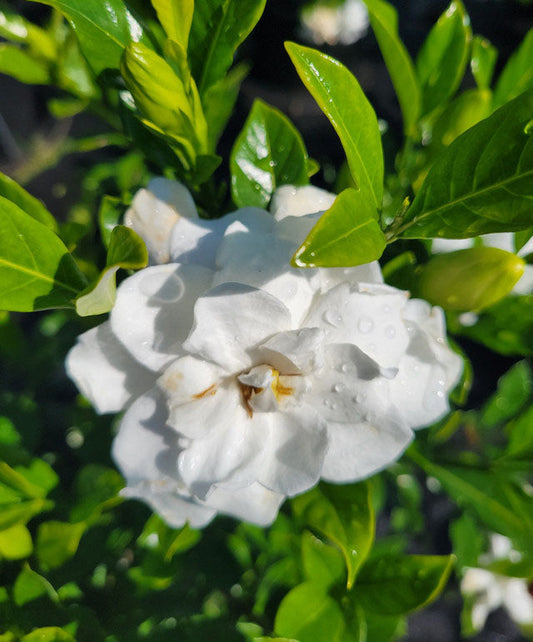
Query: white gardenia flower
x=245, y=380
x=491, y=591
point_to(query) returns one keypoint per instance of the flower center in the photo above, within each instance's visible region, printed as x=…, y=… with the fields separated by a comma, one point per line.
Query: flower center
x=263, y=388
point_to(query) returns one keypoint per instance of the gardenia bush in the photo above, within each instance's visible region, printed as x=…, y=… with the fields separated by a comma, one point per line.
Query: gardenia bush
x=247, y=380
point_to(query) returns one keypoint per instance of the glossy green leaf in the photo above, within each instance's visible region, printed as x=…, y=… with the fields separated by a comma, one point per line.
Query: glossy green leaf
x=103, y=29
x=15, y=542
x=517, y=75
x=442, y=60
x=219, y=101
x=521, y=437
x=16, y=28
x=48, y=634
x=499, y=504
x=384, y=21
x=111, y=209
x=175, y=18
x=482, y=182
x=30, y=586
x=268, y=152
x=471, y=279
x=20, y=65
x=467, y=540
x=384, y=628
x=11, y=190
x=343, y=514
x=57, y=542
x=218, y=28
x=309, y=614
x=506, y=328
x=515, y=389
x=126, y=250
x=347, y=234
x=398, y=585
x=482, y=62
x=322, y=564
x=36, y=270
x=340, y=97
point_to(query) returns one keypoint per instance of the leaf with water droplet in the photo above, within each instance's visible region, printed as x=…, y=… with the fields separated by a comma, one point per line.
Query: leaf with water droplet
x=344, y=514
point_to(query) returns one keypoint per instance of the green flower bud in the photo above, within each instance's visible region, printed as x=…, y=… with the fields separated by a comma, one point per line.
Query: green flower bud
x=471, y=279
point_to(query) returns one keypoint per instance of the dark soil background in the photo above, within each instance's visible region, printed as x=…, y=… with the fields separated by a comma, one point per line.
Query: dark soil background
x=23, y=117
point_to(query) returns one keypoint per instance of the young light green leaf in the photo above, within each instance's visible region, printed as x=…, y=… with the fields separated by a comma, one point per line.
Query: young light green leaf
x=16, y=28
x=515, y=389
x=126, y=250
x=175, y=18
x=517, y=75
x=29, y=586
x=322, y=563
x=398, y=585
x=57, y=542
x=103, y=29
x=268, y=152
x=15, y=542
x=36, y=269
x=21, y=65
x=347, y=234
x=384, y=21
x=472, y=279
x=340, y=97
x=309, y=614
x=218, y=28
x=482, y=61
x=22, y=512
x=11, y=190
x=482, y=182
x=48, y=634
x=344, y=514
x=442, y=60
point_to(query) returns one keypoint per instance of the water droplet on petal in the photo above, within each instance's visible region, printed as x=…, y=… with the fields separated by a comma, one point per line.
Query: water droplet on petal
x=390, y=332
x=332, y=317
x=365, y=325
x=338, y=387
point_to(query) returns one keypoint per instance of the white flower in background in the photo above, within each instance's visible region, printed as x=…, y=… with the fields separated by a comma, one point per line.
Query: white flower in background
x=246, y=380
x=490, y=591
x=345, y=23
x=501, y=240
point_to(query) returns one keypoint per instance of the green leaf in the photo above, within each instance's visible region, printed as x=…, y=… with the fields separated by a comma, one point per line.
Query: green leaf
x=218, y=28
x=467, y=540
x=442, y=60
x=340, y=97
x=103, y=29
x=506, y=328
x=347, y=234
x=521, y=238
x=471, y=279
x=482, y=61
x=126, y=250
x=344, y=514
x=323, y=564
x=97, y=488
x=219, y=101
x=18, y=481
x=57, y=542
x=20, y=65
x=15, y=28
x=11, y=190
x=515, y=388
x=521, y=437
x=48, y=634
x=517, y=75
x=22, y=512
x=29, y=586
x=309, y=614
x=175, y=18
x=384, y=21
x=15, y=542
x=482, y=182
x=36, y=269
x=398, y=585
x=111, y=209
x=268, y=152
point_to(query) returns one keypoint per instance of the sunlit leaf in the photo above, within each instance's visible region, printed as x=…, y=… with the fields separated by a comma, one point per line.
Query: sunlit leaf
x=482, y=182
x=347, y=234
x=268, y=152
x=482, y=61
x=20, y=65
x=29, y=586
x=57, y=542
x=517, y=75
x=15, y=542
x=13, y=192
x=48, y=634
x=323, y=564
x=340, y=97
x=176, y=18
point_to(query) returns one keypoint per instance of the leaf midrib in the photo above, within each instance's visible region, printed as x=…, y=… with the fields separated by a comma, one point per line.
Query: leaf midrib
x=37, y=275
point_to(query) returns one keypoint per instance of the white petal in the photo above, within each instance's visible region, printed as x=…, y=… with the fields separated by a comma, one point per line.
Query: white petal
x=253, y=503
x=367, y=273
x=154, y=212
x=358, y=450
x=295, y=351
x=233, y=319
x=153, y=312
x=441, y=246
x=525, y=284
x=262, y=260
x=251, y=218
x=296, y=228
x=369, y=320
x=104, y=371
x=297, y=201
x=518, y=601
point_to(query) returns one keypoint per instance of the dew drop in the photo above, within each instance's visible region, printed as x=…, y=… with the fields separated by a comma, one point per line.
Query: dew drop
x=332, y=317
x=365, y=325
x=338, y=387
x=390, y=332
